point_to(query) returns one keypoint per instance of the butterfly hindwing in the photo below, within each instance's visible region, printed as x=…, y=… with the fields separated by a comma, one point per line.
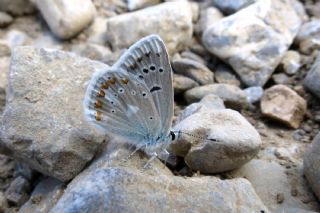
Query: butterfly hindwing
x=148, y=61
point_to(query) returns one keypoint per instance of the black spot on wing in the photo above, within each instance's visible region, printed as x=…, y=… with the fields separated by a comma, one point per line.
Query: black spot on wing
x=155, y=88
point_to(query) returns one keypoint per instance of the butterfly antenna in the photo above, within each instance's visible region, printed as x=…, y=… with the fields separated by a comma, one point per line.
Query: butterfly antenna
x=178, y=133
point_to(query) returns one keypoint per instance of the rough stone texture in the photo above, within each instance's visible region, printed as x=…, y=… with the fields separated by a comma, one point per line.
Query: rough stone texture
x=44, y=196
x=254, y=40
x=138, y=4
x=231, y=6
x=213, y=141
x=5, y=19
x=4, y=70
x=311, y=165
x=92, y=51
x=291, y=62
x=194, y=70
x=3, y=202
x=108, y=185
x=172, y=21
x=6, y=171
x=18, y=191
x=17, y=7
x=4, y=48
x=312, y=80
x=280, y=78
x=232, y=96
x=193, y=56
x=224, y=75
x=182, y=83
x=308, y=37
x=283, y=104
x=253, y=94
x=208, y=102
x=97, y=31
x=207, y=17
x=46, y=94
x=66, y=18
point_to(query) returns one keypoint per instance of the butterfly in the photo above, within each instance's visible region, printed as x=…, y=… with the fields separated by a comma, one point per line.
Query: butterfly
x=133, y=99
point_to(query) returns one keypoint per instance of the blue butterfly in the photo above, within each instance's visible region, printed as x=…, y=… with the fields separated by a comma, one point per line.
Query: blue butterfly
x=134, y=98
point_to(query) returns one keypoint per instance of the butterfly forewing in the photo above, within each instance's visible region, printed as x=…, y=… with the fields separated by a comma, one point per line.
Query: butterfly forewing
x=148, y=61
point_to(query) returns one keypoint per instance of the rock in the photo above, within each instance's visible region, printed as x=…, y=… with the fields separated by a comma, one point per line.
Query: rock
x=66, y=18
x=182, y=83
x=57, y=140
x=280, y=78
x=312, y=80
x=97, y=31
x=91, y=51
x=253, y=94
x=18, y=191
x=17, y=7
x=194, y=70
x=162, y=20
x=229, y=6
x=208, y=102
x=213, y=141
x=208, y=17
x=224, y=75
x=6, y=171
x=295, y=210
x=5, y=19
x=125, y=188
x=263, y=30
x=138, y=4
x=283, y=104
x=311, y=165
x=2, y=102
x=232, y=96
x=193, y=56
x=308, y=37
x=3, y=202
x=4, y=71
x=313, y=9
x=48, y=40
x=4, y=49
x=44, y=196
x=291, y=62
x=299, y=7
x=279, y=178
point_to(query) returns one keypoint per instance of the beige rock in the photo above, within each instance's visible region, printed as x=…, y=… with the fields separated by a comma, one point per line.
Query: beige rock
x=182, y=83
x=283, y=104
x=172, y=21
x=291, y=62
x=66, y=18
x=138, y=4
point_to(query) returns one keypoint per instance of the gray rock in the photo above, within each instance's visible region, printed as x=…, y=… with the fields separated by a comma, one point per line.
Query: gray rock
x=253, y=94
x=4, y=48
x=66, y=18
x=194, y=70
x=294, y=210
x=44, y=196
x=232, y=96
x=18, y=191
x=280, y=78
x=17, y=7
x=91, y=51
x=193, y=56
x=229, y=6
x=97, y=31
x=311, y=165
x=5, y=19
x=283, y=104
x=224, y=75
x=213, y=141
x=138, y=4
x=291, y=62
x=182, y=83
x=107, y=186
x=162, y=20
x=312, y=80
x=208, y=102
x=263, y=30
x=308, y=37
x=6, y=171
x=43, y=123
x=208, y=17
x=270, y=179
x=3, y=202
x=4, y=71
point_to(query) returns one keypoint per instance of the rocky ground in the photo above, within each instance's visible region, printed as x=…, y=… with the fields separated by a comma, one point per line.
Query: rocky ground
x=247, y=89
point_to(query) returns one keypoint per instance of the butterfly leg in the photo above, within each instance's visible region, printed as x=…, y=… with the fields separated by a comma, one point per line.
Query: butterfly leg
x=153, y=156
x=137, y=149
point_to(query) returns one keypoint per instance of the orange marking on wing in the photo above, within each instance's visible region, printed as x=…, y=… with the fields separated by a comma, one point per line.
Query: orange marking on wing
x=98, y=104
x=105, y=85
x=113, y=80
x=101, y=93
x=124, y=81
x=98, y=116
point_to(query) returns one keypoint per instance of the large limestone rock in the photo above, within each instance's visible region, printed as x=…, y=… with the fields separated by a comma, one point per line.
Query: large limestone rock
x=43, y=123
x=66, y=18
x=171, y=20
x=213, y=141
x=254, y=40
